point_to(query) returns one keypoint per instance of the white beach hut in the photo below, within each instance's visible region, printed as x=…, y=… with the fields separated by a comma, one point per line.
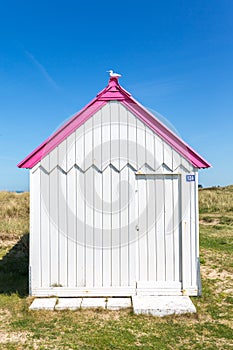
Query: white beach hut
x=114, y=204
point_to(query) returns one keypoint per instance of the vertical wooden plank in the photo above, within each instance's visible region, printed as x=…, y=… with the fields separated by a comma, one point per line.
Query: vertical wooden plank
x=156, y=248
x=160, y=228
x=176, y=238
x=79, y=147
x=107, y=222
x=132, y=233
x=54, y=226
x=62, y=212
x=143, y=229
x=176, y=161
x=115, y=228
x=186, y=263
x=198, y=281
x=89, y=188
x=193, y=234
x=97, y=139
x=53, y=159
x=62, y=155
x=45, y=163
x=132, y=140
x=187, y=165
x=136, y=232
x=98, y=220
x=158, y=151
x=81, y=236
x=115, y=140
x=151, y=228
x=141, y=147
x=197, y=213
x=70, y=151
x=89, y=222
x=150, y=156
x=106, y=134
x=35, y=230
x=45, y=230
x=124, y=218
x=167, y=155
x=71, y=227
x=169, y=251
x=88, y=143
x=71, y=211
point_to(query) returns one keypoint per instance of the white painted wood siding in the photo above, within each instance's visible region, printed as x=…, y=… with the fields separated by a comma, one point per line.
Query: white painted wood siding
x=159, y=236
x=85, y=209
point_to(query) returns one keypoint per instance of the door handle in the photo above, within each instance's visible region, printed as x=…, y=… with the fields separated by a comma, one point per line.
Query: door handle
x=137, y=228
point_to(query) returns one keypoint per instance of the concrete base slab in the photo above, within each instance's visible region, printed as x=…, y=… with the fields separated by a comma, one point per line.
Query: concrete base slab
x=68, y=304
x=149, y=305
x=162, y=305
x=43, y=304
x=93, y=302
x=118, y=303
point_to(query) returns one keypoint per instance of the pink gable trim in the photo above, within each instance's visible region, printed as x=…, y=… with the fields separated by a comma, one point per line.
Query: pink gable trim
x=61, y=134
x=113, y=92
x=166, y=134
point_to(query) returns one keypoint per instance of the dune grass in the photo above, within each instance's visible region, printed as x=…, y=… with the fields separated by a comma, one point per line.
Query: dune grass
x=14, y=212
x=218, y=200
x=210, y=328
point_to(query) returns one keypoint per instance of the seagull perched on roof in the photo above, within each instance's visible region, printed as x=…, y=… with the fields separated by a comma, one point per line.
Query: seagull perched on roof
x=113, y=75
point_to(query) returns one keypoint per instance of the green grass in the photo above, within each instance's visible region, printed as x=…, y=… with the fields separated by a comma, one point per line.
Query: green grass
x=210, y=328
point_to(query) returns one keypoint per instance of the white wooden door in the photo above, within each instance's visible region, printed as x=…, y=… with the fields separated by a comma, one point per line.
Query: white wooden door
x=159, y=252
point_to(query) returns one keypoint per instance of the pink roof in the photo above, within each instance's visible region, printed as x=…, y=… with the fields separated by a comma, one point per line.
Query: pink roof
x=114, y=92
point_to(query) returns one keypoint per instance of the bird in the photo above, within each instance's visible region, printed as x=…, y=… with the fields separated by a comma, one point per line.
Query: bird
x=112, y=74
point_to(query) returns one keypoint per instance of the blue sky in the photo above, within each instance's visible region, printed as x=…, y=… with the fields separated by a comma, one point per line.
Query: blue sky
x=176, y=57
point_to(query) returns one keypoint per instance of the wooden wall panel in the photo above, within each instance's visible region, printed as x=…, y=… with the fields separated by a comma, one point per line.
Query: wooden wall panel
x=54, y=237
x=45, y=229
x=89, y=222
x=35, y=231
x=124, y=220
x=85, y=208
x=81, y=228
x=152, y=227
x=71, y=228
x=62, y=228
x=115, y=228
x=169, y=231
x=107, y=223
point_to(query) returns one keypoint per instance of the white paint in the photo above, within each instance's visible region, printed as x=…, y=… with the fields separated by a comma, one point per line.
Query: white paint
x=158, y=288
x=97, y=228
x=84, y=292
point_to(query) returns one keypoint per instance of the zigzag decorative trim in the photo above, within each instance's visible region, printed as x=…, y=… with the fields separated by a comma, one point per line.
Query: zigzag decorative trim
x=163, y=167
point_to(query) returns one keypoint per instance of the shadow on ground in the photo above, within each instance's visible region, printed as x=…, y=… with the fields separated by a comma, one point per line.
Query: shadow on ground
x=14, y=268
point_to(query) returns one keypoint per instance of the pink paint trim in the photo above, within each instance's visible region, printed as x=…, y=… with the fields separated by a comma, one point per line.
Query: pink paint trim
x=113, y=92
x=166, y=134
x=54, y=140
